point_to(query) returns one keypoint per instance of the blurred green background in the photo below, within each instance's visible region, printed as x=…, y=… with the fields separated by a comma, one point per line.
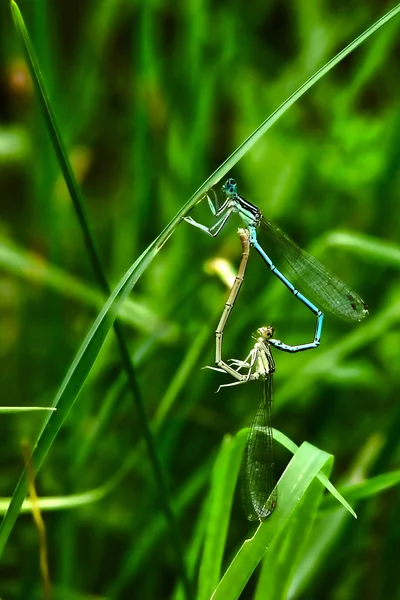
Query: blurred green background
x=151, y=97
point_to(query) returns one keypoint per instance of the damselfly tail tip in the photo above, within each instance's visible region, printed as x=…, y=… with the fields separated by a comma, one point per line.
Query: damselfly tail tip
x=261, y=514
x=267, y=512
x=359, y=307
x=261, y=508
x=364, y=312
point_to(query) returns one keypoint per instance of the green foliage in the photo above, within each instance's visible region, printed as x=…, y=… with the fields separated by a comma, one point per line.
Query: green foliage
x=141, y=101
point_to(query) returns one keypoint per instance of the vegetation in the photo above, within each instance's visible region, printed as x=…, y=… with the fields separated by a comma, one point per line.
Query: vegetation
x=126, y=108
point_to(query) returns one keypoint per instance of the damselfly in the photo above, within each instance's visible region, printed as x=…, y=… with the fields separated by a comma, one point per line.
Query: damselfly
x=330, y=292
x=258, y=481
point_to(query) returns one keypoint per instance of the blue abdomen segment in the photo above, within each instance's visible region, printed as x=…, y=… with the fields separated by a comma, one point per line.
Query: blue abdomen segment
x=324, y=287
x=319, y=314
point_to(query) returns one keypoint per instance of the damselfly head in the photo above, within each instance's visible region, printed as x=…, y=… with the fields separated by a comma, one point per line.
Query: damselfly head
x=266, y=332
x=230, y=188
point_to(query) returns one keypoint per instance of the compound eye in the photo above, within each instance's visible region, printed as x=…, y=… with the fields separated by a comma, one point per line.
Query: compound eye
x=231, y=186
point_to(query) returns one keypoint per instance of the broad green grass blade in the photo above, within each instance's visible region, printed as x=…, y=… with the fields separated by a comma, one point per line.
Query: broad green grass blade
x=294, y=483
x=282, y=557
x=328, y=528
x=223, y=482
x=291, y=446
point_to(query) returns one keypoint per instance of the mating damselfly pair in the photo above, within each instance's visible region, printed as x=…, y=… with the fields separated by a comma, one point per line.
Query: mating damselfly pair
x=326, y=289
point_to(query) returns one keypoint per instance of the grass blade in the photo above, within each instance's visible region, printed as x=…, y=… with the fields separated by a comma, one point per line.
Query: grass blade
x=16, y=409
x=291, y=446
x=285, y=553
x=367, y=489
x=77, y=200
x=294, y=483
x=223, y=482
x=92, y=344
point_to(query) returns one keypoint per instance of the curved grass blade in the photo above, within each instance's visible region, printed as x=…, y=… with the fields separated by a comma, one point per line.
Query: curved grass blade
x=71, y=386
x=292, y=447
x=93, y=342
x=329, y=526
x=78, y=203
x=296, y=480
x=225, y=474
x=283, y=557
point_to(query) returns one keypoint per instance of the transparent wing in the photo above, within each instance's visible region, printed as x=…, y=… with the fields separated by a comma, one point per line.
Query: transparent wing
x=258, y=480
x=328, y=291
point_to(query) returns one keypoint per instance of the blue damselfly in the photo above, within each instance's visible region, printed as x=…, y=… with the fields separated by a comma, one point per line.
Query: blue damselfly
x=330, y=292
